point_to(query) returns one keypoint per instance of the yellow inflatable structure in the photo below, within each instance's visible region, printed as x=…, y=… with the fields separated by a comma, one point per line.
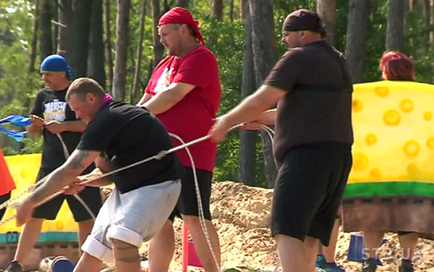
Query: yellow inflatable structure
x=392, y=179
x=24, y=169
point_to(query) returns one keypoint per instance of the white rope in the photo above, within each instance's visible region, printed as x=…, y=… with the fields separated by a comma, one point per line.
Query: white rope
x=158, y=156
x=199, y=204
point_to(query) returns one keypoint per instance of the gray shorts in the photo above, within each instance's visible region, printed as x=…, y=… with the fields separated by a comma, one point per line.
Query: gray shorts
x=132, y=217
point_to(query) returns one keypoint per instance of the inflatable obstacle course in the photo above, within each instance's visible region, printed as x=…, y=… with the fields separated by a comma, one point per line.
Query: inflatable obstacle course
x=393, y=157
x=58, y=237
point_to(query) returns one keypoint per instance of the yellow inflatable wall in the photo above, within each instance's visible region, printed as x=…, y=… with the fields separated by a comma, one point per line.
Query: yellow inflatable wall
x=24, y=169
x=394, y=132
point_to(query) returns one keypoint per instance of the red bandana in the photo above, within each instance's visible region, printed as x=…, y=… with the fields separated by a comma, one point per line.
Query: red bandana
x=181, y=16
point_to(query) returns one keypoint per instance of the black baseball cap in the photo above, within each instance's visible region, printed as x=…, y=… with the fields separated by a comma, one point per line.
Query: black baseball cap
x=304, y=20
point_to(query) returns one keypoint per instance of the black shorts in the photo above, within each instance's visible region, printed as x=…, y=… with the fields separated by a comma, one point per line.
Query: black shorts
x=308, y=191
x=49, y=210
x=3, y=199
x=187, y=203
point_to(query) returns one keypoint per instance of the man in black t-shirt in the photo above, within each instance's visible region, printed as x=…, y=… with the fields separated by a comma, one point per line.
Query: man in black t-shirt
x=117, y=135
x=52, y=117
x=312, y=87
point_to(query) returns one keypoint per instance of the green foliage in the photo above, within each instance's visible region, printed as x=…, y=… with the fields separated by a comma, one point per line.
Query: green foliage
x=225, y=38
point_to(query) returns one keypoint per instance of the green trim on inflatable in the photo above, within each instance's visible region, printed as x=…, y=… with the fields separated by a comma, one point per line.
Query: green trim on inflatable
x=397, y=188
x=45, y=237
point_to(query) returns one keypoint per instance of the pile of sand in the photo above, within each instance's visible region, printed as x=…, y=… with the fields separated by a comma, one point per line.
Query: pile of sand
x=241, y=215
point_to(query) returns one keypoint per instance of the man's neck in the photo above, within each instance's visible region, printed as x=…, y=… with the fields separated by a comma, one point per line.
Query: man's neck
x=62, y=86
x=188, y=48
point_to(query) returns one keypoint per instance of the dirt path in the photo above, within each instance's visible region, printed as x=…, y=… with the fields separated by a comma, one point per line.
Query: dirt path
x=241, y=216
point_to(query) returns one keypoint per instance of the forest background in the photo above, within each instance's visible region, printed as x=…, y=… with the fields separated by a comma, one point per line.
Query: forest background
x=116, y=43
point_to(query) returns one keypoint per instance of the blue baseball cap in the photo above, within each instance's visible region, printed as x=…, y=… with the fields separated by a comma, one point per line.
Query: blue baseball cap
x=56, y=63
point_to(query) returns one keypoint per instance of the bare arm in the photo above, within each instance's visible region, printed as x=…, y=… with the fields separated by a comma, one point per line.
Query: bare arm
x=163, y=101
x=35, y=128
x=74, y=126
x=144, y=99
x=64, y=175
x=103, y=166
x=268, y=117
x=253, y=107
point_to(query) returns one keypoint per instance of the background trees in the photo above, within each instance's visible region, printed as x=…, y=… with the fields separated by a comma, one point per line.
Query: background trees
x=103, y=39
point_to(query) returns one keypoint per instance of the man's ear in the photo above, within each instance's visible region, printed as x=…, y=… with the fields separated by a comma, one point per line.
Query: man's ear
x=90, y=97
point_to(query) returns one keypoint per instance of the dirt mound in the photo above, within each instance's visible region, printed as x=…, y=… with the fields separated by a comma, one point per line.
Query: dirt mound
x=241, y=215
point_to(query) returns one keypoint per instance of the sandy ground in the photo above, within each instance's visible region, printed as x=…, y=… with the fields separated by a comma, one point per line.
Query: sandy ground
x=241, y=216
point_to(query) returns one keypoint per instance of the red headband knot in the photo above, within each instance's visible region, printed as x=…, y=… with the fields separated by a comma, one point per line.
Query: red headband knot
x=180, y=15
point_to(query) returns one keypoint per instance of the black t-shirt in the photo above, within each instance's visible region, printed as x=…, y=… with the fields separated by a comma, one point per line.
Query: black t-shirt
x=51, y=105
x=317, y=106
x=128, y=134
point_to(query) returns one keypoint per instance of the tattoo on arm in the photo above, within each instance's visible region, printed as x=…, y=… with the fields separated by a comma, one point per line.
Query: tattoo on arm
x=53, y=184
x=77, y=161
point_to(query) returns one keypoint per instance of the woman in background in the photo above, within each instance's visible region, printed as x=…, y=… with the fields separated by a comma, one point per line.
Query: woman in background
x=395, y=66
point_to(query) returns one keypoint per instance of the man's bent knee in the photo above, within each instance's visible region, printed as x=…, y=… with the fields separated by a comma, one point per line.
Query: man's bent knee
x=124, y=252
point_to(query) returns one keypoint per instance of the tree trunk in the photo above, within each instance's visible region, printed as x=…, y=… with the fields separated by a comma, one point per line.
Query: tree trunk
x=264, y=58
x=412, y=4
x=247, y=159
x=137, y=73
x=122, y=43
x=78, y=17
x=158, y=47
x=108, y=43
x=182, y=3
x=356, y=37
x=217, y=9
x=242, y=11
x=46, y=42
x=395, y=24
x=34, y=44
x=95, y=60
x=61, y=31
x=427, y=6
x=327, y=11
x=231, y=11
x=54, y=21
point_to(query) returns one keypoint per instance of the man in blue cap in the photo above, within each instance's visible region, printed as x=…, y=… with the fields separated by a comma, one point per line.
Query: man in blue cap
x=52, y=117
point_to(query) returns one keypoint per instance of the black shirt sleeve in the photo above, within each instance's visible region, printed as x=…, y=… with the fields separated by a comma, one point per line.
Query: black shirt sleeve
x=98, y=134
x=287, y=70
x=38, y=105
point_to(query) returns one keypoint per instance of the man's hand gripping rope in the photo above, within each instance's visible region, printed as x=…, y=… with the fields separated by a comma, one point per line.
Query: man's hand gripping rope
x=158, y=156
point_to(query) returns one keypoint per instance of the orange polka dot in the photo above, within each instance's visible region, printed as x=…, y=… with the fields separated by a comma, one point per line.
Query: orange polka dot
x=360, y=161
x=412, y=169
x=59, y=225
x=406, y=105
x=382, y=91
x=411, y=148
x=430, y=143
x=370, y=139
x=357, y=105
x=427, y=115
x=375, y=173
x=391, y=118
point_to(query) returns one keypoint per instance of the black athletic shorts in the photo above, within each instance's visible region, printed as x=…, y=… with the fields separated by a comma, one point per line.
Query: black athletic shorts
x=187, y=203
x=3, y=199
x=49, y=210
x=309, y=189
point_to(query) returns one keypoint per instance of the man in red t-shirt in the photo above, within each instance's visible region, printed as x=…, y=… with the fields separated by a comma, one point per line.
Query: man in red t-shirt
x=184, y=93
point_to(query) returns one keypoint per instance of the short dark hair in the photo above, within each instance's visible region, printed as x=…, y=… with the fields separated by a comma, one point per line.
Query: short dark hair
x=84, y=85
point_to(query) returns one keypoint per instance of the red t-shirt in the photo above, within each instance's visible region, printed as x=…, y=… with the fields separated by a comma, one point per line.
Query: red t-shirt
x=7, y=183
x=192, y=117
